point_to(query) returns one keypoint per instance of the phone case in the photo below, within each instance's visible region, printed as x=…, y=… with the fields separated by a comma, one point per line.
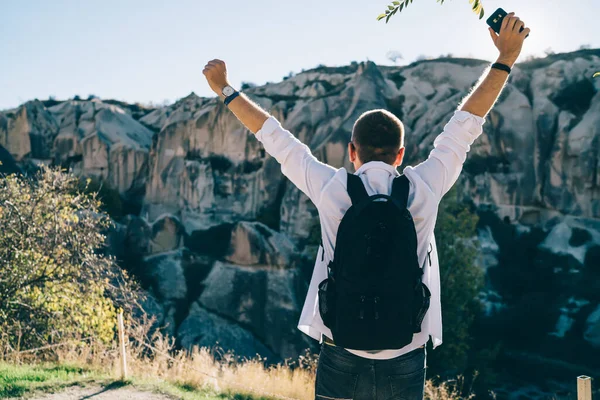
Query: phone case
x=495, y=20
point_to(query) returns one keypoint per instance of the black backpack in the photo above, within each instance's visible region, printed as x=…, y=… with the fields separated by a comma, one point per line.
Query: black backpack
x=374, y=297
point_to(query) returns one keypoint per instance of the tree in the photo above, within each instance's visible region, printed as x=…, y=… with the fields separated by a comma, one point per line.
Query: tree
x=55, y=281
x=398, y=6
x=394, y=56
x=461, y=283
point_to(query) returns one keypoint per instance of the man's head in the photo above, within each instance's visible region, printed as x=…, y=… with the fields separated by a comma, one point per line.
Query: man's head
x=377, y=135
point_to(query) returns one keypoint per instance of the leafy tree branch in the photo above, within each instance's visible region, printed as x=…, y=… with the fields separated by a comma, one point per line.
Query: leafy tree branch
x=398, y=6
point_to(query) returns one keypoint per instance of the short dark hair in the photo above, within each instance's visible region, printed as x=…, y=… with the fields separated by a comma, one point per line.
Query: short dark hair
x=377, y=135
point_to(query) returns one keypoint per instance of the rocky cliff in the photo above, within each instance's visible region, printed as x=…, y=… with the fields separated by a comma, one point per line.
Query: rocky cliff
x=224, y=242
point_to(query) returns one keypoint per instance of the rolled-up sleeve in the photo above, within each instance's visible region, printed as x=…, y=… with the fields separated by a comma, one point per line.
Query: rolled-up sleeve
x=297, y=162
x=444, y=164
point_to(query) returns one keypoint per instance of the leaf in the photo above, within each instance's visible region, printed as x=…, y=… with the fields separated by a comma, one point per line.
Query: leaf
x=380, y=17
x=482, y=13
x=396, y=3
x=391, y=8
x=596, y=75
x=388, y=18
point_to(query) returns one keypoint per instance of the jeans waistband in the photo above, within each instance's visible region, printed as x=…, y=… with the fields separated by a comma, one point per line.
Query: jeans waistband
x=336, y=355
x=330, y=342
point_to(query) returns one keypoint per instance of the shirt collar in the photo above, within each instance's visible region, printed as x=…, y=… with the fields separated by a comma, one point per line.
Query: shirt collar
x=377, y=165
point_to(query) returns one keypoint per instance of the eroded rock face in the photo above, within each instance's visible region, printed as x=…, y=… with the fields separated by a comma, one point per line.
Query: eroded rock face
x=8, y=165
x=102, y=140
x=167, y=272
x=92, y=137
x=167, y=234
x=551, y=155
x=28, y=131
x=266, y=301
x=253, y=243
x=592, y=328
x=204, y=329
x=572, y=238
x=203, y=182
x=205, y=167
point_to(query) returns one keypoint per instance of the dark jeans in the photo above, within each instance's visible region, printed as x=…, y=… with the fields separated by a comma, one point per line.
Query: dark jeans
x=342, y=375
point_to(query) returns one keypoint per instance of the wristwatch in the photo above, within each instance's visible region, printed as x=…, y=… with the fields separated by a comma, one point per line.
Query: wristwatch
x=230, y=94
x=228, y=91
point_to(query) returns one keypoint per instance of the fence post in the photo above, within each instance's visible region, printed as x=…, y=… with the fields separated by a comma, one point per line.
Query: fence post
x=584, y=388
x=121, y=329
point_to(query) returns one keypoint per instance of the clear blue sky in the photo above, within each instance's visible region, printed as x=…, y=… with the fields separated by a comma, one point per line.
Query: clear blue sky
x=155, y=50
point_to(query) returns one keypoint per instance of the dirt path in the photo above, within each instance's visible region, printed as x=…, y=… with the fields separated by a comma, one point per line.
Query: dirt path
x=100, y=393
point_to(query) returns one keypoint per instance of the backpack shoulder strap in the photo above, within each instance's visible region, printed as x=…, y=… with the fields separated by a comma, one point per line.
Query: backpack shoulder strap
x=356, y=189
x=400, y=188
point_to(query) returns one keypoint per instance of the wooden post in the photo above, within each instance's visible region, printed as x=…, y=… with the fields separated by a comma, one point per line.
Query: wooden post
x=584, y=388
x=121, y=328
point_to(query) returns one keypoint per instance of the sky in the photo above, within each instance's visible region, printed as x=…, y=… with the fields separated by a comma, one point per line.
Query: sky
x=154, y=51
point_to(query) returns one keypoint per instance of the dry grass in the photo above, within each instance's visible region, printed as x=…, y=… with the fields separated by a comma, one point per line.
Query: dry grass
x=449, y=390
x=152, y=358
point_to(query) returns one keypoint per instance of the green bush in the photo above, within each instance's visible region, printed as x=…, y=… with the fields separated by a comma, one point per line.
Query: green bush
x=54, y=282
x=110, y=199
x=461, y=282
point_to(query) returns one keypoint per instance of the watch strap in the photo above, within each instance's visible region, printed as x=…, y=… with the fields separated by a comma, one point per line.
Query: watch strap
x=502, y=67
x=229, y=99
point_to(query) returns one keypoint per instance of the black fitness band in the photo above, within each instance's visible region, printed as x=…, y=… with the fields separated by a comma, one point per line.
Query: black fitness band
x=231, y=98
x=502, y=67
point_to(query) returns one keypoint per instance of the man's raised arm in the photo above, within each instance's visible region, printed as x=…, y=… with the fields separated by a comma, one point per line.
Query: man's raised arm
x=297, y=162
x=444, y=165
x=249, y=113
x=509, y=43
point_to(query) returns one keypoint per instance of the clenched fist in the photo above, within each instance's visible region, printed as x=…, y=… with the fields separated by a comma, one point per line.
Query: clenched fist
x=216, y=75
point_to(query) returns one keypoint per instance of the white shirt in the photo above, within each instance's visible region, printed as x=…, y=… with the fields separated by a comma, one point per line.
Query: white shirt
x=326, y=188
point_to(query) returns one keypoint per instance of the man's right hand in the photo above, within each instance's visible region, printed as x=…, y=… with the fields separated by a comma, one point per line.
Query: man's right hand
x=216, y=76
x=510, y=40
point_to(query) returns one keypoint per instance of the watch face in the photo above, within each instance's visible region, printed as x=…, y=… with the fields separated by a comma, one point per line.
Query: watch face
x=228, y=91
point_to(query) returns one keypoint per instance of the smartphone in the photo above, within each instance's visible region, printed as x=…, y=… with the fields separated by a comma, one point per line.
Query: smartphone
x=495, y=21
